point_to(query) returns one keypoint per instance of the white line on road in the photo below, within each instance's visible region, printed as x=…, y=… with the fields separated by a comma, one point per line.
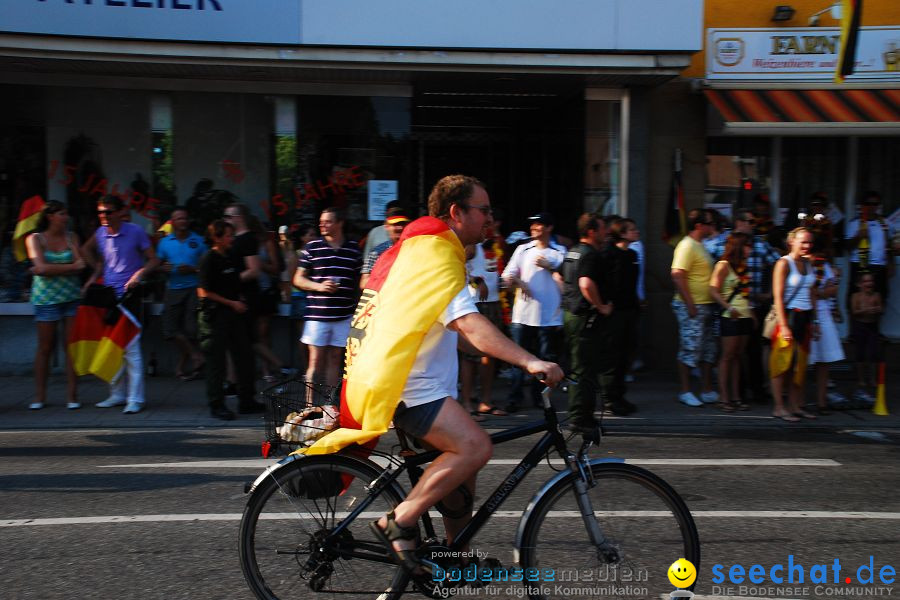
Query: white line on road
x=262, y=463
x=503, y=514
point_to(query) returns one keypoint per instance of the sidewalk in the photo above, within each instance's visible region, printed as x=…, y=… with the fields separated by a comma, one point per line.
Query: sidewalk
x=173, y=403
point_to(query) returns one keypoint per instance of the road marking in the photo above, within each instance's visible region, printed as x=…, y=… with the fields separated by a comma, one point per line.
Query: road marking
x=262, y=463
x=503, y=514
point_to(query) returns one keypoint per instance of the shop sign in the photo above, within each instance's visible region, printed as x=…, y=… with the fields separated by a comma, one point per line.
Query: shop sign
x=799, y=54
x=272, y=21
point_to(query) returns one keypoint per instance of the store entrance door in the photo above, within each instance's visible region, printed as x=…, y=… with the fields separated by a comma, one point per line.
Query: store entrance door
x=527, y=146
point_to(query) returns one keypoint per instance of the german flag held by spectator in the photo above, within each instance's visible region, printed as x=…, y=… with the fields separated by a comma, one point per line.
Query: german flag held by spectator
x=851, y=15
x=29, y=215
x=100, y=335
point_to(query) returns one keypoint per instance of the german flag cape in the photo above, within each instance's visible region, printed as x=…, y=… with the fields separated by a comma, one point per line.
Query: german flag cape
x=97, y=347
x=29, y=215
x=410, y=286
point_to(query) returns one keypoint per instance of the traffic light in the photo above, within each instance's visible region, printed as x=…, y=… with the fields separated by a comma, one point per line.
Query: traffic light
x=747, y=184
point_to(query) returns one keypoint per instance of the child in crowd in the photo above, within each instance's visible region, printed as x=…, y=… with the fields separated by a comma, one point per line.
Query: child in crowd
x=866, y=308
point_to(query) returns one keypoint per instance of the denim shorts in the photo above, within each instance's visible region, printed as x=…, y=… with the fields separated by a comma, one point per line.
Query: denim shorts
x=50, y=313
x=417, y=420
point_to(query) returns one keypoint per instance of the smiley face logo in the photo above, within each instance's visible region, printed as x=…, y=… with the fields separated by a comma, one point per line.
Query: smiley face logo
x=682, y=573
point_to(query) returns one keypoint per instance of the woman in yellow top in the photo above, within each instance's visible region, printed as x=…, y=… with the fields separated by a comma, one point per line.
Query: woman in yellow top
x=729, y=287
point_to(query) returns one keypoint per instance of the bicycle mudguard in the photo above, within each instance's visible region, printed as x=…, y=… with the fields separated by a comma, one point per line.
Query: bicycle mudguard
x=367, y=463
x=544, y=489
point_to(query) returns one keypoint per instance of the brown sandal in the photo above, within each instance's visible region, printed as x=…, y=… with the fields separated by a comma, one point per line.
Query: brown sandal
x=405, y=558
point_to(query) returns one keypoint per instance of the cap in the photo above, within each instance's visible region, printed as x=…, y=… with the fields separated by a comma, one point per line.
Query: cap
x=283, y=230
x=397, y=219
x=543, y=217
x=516, y=236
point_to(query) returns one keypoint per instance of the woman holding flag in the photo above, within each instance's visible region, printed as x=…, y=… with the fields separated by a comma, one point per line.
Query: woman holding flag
x=792, y=292
x=55, y=293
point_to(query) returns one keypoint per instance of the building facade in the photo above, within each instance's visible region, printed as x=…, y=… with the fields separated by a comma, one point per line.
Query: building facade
x=292, y=106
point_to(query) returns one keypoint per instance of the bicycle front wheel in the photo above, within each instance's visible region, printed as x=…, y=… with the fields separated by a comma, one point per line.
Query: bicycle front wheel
x=646, y=523
x=295, y=508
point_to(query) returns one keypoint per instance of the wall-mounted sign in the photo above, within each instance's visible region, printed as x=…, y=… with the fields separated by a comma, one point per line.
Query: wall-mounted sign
x=381, y=191
x=247, y=21
x=799, y=54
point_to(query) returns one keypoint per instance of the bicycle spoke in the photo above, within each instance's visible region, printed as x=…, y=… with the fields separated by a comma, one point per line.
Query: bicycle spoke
x=294, y=516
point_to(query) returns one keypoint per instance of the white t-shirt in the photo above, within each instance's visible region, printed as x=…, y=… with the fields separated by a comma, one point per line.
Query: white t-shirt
x=479, y=266
x=638, y=247
x=542, y=309
x=877, y=243
x=434, y=372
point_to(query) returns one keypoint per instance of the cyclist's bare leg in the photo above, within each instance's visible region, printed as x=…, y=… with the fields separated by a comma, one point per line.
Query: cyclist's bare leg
x=465, y=449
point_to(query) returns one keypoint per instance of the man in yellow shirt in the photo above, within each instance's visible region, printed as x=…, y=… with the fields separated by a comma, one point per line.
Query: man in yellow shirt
x=691, y=270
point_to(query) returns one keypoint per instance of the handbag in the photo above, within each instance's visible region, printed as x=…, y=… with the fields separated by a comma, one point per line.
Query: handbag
x=772, y=317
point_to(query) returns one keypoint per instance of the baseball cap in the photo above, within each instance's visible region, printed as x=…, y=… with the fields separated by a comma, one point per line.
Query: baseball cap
x=542, y=217
x=283, y=229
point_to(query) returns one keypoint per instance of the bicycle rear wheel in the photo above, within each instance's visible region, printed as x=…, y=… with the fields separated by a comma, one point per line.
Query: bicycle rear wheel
x=294, y=508
x=645, y=520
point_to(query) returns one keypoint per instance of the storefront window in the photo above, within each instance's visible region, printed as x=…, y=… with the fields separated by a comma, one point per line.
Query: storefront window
x=343, y=143
x=737, y=169
x=813, y=165
x=879, y=170
x=602, y=173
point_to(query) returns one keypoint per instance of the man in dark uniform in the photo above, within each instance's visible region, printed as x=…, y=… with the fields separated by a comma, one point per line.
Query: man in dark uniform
x=584, y=311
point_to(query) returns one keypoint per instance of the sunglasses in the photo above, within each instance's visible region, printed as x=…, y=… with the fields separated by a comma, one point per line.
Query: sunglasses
x=485, y=210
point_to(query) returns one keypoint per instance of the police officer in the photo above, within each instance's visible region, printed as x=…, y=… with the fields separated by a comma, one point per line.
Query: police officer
x=584, y=316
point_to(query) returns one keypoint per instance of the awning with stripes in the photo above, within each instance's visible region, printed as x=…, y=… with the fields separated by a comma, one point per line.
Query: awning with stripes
x=807, y=112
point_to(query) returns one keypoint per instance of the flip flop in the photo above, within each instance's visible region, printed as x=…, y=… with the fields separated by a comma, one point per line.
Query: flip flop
x=493, y=411
x=804, y=415
x=787, y=417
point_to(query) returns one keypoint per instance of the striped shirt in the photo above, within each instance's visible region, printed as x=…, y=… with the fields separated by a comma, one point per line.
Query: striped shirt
x=320, y=262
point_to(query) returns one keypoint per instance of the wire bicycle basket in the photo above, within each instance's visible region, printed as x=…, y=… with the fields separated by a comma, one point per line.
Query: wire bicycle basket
x=298, y=412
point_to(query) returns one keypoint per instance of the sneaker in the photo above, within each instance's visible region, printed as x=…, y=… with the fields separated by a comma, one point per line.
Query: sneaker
x=230, y=391
x=836, y=398
x=689, y=399
x=110, y=402
x=73, y=405
x=863, y=397
x=709, y=397
x=838, y=402
x=36, y=406
x=620, y=409
x=133, y=408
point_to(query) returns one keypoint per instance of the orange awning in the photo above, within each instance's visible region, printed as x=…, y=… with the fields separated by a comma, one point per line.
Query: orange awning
x=807, y=111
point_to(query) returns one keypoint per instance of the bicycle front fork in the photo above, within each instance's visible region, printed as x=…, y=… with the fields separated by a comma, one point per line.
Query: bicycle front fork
x=583, y=482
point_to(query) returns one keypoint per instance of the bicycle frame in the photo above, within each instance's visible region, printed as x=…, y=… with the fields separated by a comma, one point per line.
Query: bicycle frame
x=553, y=438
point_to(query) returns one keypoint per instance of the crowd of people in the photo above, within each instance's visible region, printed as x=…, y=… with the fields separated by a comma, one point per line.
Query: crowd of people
x=766, y=309
x=748, y=306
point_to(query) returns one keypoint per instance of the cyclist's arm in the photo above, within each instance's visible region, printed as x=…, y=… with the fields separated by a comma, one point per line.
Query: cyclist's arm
x=482, y=334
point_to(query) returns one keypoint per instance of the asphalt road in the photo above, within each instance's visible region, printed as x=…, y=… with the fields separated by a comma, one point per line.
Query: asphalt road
x=155, y=513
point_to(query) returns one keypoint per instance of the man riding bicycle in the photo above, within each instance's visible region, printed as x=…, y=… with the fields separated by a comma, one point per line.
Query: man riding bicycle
x=402, y=361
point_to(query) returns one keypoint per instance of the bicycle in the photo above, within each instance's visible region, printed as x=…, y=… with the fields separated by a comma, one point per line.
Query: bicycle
x=305, y=528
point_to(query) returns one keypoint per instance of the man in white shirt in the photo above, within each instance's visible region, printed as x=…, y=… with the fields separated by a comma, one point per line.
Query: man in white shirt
x=536, y=313
x=427, y=410
x=869, y=238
